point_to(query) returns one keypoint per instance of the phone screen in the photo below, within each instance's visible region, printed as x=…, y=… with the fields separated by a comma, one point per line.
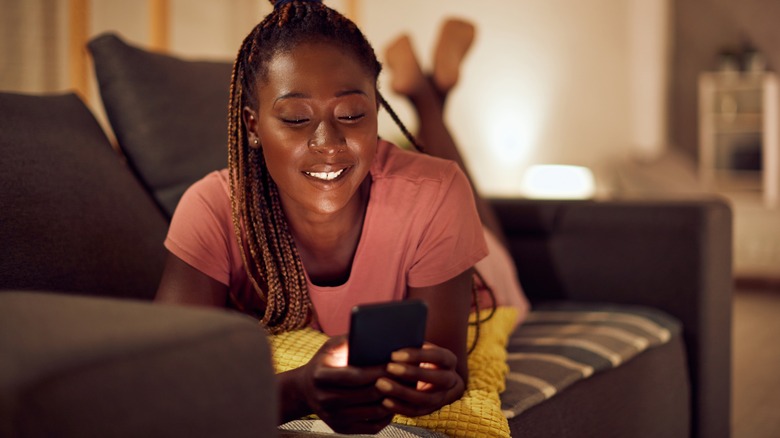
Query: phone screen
x=377, y=330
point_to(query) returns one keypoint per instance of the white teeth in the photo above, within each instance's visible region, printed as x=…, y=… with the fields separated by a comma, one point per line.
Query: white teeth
x=327, y=176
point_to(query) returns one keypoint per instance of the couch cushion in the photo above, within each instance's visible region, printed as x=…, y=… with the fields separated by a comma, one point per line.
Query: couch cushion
x=630, y=358
x=97, y=367
x=562, y=343
x=169, y=115
x=73, y=216
x=647, y=397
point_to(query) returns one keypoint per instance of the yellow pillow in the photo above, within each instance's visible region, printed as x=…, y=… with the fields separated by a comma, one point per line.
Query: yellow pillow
x=477, y=413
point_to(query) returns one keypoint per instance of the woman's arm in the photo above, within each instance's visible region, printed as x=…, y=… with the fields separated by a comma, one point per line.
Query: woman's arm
x=444, y=372
x=183, y=284
x=344, y=397
x=449, y=304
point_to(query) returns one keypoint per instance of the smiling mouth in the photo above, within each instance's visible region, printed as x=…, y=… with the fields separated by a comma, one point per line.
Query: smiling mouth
x=326, y=176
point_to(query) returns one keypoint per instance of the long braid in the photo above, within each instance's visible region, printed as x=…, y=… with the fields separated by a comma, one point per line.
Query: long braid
x=398, y=122
x=256, y=215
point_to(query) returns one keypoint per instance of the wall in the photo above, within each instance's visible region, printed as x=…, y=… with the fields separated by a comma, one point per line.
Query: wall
x=33, y=52
x=547, y=81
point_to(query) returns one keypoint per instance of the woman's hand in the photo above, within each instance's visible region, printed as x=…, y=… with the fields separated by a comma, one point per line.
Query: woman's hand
x=344, y=397
x=434, y=369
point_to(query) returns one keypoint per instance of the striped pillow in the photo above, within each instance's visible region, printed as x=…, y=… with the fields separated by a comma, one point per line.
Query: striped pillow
x=562, y=343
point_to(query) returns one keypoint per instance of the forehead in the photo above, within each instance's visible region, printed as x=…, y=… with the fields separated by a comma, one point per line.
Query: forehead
x=314, y=63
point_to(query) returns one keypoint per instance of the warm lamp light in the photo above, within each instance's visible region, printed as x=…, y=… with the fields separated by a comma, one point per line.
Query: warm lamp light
x=556, y=181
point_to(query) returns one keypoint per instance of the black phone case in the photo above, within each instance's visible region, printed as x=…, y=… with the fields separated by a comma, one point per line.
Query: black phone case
x=376, y=330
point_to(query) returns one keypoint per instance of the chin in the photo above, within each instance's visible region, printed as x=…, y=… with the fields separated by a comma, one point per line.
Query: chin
x=329, y=206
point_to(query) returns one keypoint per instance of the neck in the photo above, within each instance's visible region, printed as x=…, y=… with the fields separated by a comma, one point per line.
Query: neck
x=327, y=243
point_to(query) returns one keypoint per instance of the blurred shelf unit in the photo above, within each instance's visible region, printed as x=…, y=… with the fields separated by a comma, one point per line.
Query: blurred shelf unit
x=739, y=143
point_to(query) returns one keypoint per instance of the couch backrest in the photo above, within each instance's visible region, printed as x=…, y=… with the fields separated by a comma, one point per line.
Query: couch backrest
x=72, y=216
x=169, y=115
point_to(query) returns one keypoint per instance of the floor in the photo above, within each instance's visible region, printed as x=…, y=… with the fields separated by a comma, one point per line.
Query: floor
x=756, y=364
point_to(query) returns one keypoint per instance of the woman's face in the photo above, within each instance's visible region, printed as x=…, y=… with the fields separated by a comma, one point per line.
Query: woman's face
x=316, y=123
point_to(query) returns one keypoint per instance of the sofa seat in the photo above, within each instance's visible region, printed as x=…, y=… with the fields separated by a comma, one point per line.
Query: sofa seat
x=630, y=359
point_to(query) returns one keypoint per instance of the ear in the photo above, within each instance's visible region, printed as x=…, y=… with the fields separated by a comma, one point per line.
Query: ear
x=250, y=123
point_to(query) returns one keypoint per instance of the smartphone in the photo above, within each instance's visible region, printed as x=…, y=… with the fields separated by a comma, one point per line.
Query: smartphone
x=377, y=330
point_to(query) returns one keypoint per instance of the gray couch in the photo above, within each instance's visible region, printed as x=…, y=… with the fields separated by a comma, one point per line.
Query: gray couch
x=85, y=353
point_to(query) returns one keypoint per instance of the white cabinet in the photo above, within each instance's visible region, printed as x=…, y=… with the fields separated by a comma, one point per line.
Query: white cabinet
x=738, y=133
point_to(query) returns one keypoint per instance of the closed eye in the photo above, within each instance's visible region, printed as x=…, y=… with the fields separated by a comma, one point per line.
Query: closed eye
x=295, y=121
x=352, y=118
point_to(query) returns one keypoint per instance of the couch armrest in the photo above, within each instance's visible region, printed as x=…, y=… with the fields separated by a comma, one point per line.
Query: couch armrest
x=82, y=366
x=671, y=255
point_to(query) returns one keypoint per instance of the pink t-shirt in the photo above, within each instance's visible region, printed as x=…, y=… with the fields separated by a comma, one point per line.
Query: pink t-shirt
x=421, y=229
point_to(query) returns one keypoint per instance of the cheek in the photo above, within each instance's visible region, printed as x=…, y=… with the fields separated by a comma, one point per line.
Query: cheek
x=279, y=161
x=367, y=147
x=364, y=142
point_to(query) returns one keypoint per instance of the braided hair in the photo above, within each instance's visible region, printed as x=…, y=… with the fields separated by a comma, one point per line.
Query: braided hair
x=279, y=295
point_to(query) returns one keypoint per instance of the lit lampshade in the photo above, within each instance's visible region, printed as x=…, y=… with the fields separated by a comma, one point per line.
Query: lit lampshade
x=556, y=181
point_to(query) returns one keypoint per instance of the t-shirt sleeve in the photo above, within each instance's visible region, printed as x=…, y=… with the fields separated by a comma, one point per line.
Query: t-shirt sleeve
x=452, y=240
x=201, y=228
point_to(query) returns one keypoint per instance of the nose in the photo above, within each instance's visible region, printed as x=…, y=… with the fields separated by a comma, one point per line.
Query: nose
x=327, y=139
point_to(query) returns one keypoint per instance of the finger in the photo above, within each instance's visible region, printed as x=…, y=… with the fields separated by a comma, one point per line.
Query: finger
x=406, y=401
x=441, y=357
x=401, y=407
x=440, y=379
x=409, y=398
x=334, y=352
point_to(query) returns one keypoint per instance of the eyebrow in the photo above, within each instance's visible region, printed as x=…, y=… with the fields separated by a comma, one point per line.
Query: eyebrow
x=296, y=95
x=290, y=96
x=350, y=92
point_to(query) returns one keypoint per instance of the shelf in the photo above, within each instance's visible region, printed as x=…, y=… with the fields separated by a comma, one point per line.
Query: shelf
x=726, y=82
x=744, y=122
x=738, y=133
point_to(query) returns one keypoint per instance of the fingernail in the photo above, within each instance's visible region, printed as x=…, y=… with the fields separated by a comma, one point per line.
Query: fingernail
x=394, y=368
x=400, y=356
x=388, y=403
x=384, y=385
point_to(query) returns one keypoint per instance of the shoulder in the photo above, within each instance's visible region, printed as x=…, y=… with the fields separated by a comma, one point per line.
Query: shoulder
x=213, y=189
x=393, y=162
x=207, y=197
x=420, y=185
x=214, y=183
x=201, y=230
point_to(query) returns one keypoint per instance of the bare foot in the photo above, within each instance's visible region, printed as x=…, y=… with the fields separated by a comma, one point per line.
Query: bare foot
x=408, y=77
x=454, y=42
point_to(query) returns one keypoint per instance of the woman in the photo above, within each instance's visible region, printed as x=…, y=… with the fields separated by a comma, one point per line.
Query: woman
x=315, y=214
